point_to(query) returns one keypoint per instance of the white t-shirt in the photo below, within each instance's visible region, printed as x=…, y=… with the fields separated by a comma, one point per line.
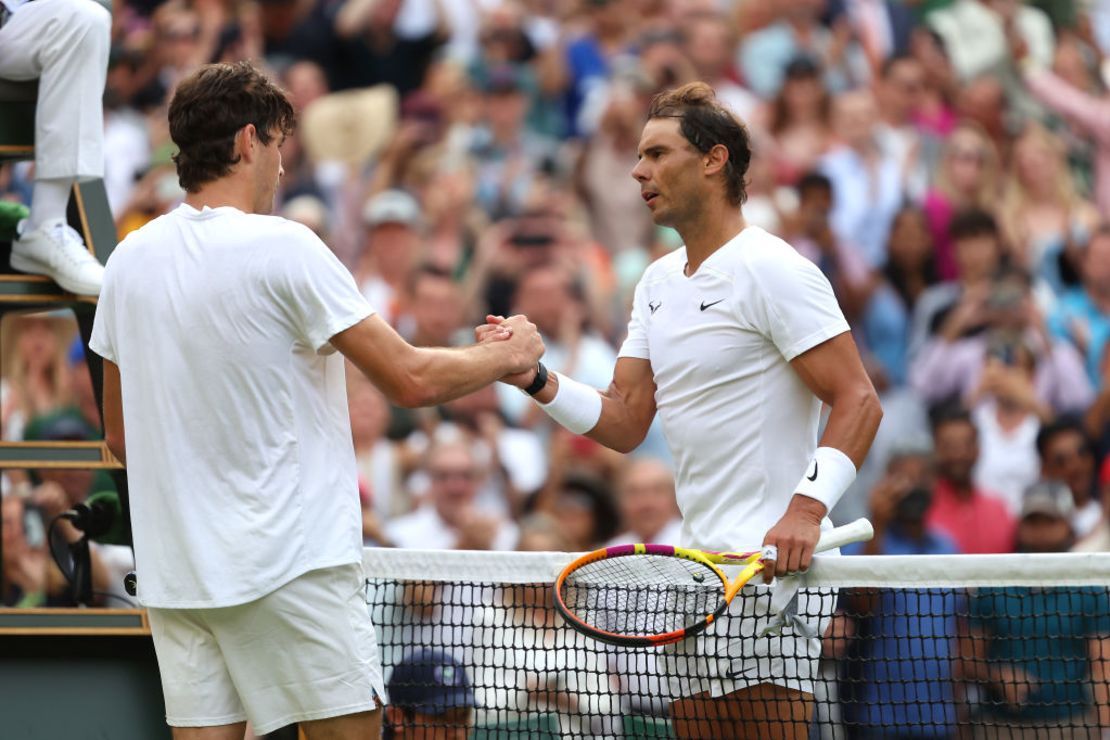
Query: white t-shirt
x=741, y=424
x=425, y=529
x=239, y=455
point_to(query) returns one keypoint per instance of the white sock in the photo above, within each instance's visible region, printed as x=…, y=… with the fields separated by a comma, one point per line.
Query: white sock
x=49, y=199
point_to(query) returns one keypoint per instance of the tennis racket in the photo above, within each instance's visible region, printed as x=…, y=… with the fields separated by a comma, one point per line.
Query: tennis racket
x=645, y=595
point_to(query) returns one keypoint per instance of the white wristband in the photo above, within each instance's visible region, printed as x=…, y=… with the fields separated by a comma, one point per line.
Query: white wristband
x=827, y=477
x=576, y=405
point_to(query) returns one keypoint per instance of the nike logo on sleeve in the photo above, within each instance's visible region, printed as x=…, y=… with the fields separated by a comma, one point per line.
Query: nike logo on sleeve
x=705, y=305
x=814, y=476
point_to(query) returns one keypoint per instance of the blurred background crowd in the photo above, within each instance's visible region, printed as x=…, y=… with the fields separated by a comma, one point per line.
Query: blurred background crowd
x=945, y=162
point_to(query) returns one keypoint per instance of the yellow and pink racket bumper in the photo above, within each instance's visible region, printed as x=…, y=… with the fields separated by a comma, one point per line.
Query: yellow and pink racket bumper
x=753, y=562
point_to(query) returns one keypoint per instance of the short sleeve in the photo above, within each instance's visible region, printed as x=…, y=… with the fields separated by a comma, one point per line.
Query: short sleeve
x=321, y=293
x=636, y=343
x=102, y=341
x=795, y=305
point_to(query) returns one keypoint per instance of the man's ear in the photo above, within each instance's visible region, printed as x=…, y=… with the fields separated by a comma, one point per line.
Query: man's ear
x=246, y=141
x=715, y=159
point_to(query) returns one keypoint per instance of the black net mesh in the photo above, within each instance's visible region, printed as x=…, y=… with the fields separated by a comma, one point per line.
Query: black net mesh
x=1007, y=662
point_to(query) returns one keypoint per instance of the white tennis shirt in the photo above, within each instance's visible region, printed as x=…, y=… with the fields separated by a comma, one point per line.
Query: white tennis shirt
x=240, y=463
x=741, y=424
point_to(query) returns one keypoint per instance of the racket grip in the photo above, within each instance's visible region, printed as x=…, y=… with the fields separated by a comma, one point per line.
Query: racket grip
x=858, y=531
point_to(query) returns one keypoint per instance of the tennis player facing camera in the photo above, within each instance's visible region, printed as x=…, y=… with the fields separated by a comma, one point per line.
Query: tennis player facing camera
x=219, y=326
x=736, y=340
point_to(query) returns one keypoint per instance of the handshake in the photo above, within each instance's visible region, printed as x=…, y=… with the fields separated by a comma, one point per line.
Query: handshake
x=523, y=346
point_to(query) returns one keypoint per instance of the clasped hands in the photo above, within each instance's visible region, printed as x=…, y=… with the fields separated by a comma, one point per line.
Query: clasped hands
x=523, y=337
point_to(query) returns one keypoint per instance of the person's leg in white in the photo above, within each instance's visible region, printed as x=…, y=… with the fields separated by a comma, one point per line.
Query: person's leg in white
x=64, y=44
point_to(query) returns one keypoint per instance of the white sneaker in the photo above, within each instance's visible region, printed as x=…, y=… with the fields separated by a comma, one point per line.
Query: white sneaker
x=56, y=250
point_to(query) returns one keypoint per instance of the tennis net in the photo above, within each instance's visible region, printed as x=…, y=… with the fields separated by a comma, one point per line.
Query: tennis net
x=1000, y=646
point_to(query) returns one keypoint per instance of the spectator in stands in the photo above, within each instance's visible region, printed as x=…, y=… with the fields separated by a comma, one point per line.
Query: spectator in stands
x=898, y=93
x=516, y=458
x=798, y=120
x=583, y=506
x=1067, y=456
x=546, y=295
x=646, y=502
x=906, y=636
x=1008, y=415
x=25, y=570
x=393, y=226
x=765, y=53
x=1043, y=215
x=64, y=45
x=381, y=461
x=976, y=520
x=36, y=371
x=869, y=181
x=810, y=231
x=1087, y=112
x=951, y=365
x=1083, y=313
x=430, y=698
x=436, y=309
x=708, y=41
x=974, y=34
x=966, y=178
x=375, y=47
x=952, y=309
x=509, y=157
x=449, y=518
x=937, y=111
x=887, y=298
x=1042, y=654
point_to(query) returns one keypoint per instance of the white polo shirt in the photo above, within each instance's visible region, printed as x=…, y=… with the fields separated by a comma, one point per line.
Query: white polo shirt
x=741, y=424
x=240, y=463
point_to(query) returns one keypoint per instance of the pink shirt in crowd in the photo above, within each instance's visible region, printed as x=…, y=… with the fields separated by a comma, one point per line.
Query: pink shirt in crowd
x=978, y=525
x=1089, y=113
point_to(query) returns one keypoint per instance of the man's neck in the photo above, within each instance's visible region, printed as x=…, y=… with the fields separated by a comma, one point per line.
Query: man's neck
x=710, y=230
x=962, y=491
x=227, y=191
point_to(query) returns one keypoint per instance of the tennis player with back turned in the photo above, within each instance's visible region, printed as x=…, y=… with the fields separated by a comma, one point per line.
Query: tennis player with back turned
x=736, y=340
x=219, y=324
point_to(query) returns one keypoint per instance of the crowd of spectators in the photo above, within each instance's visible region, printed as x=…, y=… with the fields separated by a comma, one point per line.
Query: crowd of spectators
x=945, y=162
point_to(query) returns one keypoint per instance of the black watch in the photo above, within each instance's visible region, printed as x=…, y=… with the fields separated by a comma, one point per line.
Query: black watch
x=539, y=382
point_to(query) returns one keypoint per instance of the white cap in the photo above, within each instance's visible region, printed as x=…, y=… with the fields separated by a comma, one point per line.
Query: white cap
x=392, y=207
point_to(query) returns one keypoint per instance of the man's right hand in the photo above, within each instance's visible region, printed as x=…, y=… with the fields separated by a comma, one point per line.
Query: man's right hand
x=525, y=345
x=499, y=328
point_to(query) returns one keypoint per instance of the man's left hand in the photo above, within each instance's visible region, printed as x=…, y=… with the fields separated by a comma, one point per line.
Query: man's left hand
x=795, y=536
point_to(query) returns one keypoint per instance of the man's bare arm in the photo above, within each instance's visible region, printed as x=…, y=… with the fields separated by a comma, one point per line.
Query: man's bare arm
x=627, y=407
x=421, y=376
x=113, y=412
x=834, y=373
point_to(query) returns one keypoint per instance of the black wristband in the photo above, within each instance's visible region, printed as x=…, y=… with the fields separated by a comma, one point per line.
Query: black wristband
x=539, y=382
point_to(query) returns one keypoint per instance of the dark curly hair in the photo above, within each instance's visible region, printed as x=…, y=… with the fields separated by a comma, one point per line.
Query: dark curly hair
x=210, y=106
x=705, y=123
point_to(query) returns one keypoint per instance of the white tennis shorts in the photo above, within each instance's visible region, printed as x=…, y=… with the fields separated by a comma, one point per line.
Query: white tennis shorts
x=303, y=652
x=733, y=653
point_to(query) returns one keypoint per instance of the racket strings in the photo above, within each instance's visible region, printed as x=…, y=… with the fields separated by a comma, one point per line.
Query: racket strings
x=642, y=595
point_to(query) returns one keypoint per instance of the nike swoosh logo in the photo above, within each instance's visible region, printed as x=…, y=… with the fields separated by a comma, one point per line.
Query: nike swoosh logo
x=707, y=305
x=814, y=476
x=655, y=306
x=741, y=672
